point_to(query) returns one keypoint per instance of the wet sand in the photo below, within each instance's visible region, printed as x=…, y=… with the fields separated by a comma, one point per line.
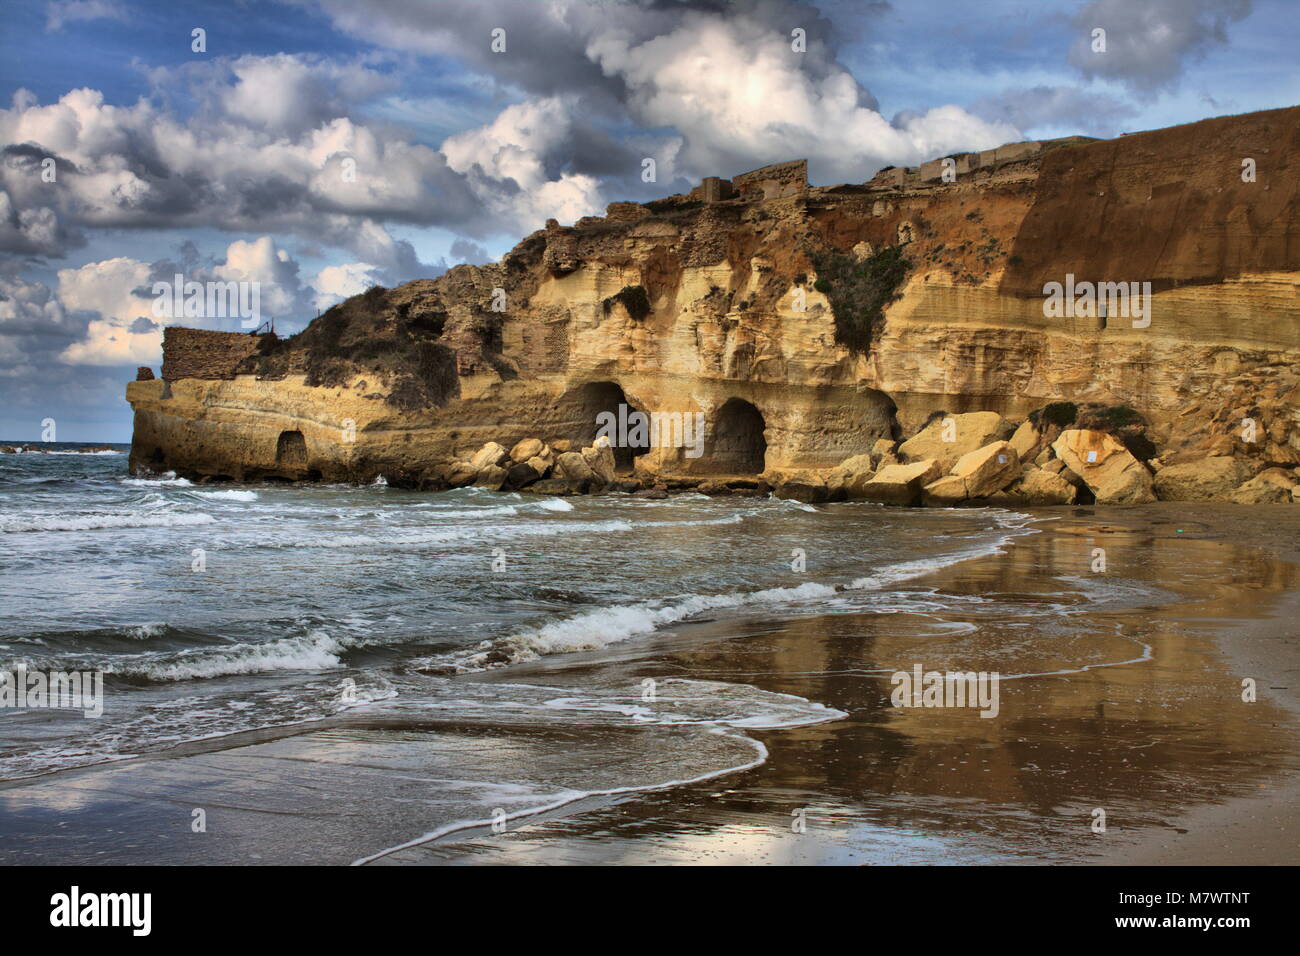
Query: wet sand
x=1114, y=696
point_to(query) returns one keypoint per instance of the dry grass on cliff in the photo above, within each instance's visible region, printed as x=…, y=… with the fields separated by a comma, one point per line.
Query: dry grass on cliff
x=371, y=336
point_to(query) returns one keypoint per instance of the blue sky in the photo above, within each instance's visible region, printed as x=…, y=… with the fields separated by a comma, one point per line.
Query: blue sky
x=230, y=163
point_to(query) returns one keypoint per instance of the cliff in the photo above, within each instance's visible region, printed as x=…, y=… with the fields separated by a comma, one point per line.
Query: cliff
x=806, y=324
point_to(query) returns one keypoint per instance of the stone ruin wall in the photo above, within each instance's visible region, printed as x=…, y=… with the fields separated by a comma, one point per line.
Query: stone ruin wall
x=203, y=353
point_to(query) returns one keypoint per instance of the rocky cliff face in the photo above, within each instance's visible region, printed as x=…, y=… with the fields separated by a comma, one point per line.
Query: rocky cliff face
x=806, y=325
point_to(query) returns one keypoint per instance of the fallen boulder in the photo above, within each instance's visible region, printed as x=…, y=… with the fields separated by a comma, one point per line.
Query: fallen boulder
x=458, y=474
x=529, y=448
x=1104, y=465
x=851, y=474
x=948, y=490
x=600, y=459
x=492, y=477
x=1270, y=486
x=489, y=454
x=572, y=466
x=520, y=475
x=989, y=469
x=968, y=431
x=901, y=484
x=806, y=488
x=1131, y=486
x=1210, y=479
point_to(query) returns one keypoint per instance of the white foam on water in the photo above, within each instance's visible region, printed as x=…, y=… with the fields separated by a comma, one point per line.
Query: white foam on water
x=143, y=632
x=30, y=450
x=315, y=651
x=592, y=630
x=439, y=535
x=715, y=708
x=555, y=504
x=96, y=522
x=228, y=495
x=165, y=480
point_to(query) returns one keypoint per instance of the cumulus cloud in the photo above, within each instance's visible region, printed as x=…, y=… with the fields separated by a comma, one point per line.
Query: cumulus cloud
x=505, y=163
x=121, y=322
x=333, y=284
x=723, y=76
x=465, y=250
x=115, y=292
x=1148, y=44
x=140, y=167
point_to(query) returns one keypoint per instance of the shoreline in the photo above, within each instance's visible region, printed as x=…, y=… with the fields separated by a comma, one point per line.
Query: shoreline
x=879, y=785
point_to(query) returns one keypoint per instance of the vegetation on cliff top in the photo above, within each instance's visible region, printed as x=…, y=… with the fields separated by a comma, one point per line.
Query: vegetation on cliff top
x=367, y=335
x=859, y=291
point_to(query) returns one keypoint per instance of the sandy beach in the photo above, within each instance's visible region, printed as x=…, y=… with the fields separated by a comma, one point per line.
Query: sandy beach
x=1152, y=730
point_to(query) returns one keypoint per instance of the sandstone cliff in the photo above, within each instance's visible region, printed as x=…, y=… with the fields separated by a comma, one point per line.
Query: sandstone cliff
x=806, y=324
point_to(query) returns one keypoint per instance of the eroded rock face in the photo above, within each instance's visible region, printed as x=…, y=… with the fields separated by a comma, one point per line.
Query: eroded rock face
x=682, y=307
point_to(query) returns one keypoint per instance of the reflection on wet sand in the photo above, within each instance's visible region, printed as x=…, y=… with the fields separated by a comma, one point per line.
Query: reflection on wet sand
x=1116, y=695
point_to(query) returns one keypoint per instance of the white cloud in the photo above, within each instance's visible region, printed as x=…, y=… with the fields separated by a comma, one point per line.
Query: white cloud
x=117, y=294
x=335, y=283
x=112, y=289
x=1148, y=43
x=738, y=92
x=61, y=12
x=514, y=148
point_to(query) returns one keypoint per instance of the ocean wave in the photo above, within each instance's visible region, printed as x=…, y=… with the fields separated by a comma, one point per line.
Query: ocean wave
x=314, y=651
x=555, y=504
x=720, y=710
x=29, y=450
x=93, y=522
x=167, y=479
x=592, y=630
x=227, y=495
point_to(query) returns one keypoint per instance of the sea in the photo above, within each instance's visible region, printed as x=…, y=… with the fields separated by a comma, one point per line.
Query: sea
x=213, y=610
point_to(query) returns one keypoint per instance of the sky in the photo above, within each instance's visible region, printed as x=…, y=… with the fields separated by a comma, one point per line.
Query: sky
x=314, y=148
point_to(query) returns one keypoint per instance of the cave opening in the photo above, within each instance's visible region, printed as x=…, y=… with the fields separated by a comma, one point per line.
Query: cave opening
x=736, y=443
x=291, y=449
x=605, y=403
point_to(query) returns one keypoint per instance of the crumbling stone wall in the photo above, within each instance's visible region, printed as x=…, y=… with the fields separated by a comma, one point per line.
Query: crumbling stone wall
x=775, y=181
x=203, y=353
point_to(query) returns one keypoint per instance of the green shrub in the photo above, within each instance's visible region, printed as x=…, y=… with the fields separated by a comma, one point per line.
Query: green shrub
x=859, y=291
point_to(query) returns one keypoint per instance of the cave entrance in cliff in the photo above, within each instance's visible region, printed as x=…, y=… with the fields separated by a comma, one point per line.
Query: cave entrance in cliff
x=291, y=449
x=605, y=403
x=736, y=444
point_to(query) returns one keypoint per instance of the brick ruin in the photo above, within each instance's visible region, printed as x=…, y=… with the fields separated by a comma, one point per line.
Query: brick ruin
x=203, y=353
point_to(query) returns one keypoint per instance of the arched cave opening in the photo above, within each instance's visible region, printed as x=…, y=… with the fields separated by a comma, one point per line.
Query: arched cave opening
x=606, y=404
x=736, y=445
x=291, y=449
